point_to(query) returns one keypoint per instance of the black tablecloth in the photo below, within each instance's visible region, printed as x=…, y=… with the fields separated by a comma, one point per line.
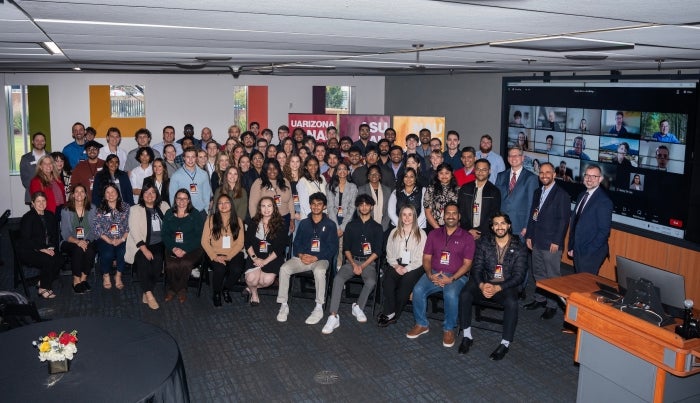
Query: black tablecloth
x=118, y=360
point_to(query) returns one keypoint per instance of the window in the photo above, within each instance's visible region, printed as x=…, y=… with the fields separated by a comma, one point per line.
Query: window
x=18, y=123
x=339, y=99
x=240, y=106
x=128, y=101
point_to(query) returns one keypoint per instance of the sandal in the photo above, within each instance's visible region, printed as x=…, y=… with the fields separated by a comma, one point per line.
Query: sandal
x=46, y=294
x=106, y=282
x=118, y=281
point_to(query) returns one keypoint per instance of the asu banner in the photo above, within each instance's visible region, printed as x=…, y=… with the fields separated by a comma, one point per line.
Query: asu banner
x=313, y=125
x=350, y=126
x=405, y=125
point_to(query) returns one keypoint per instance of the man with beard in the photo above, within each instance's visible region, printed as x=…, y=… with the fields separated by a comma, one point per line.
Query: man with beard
x=499, y=269
x=396, y=162
x=478, y=200
x=206, y=137
x=298, y=135
x=364, y=140
x=27, y=164
x=466, y=174
x=188, y=132
x=384, y=146
x=75, y=151
x=497, y=164
x=84, y=173
x=248, y=139
x=143, y=139
x=546, y=228
x=359, y=174
x=424, y=137
x=390, y=134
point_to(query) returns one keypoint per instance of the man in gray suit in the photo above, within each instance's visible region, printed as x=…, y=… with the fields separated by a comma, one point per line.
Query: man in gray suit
x=27, y=164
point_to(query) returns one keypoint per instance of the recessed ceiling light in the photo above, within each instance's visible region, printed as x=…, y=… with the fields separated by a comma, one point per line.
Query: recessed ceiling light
x=51, y=47
x=586, y=57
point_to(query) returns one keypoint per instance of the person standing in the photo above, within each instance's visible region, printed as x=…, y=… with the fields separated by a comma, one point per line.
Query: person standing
x=84, y=174
x=497, y=164
x=27, y=164
x=465, y=174
x=114, y=138
x=590, y=224
x=517, y=186
x=143, y=139
x=546, y=228
x=192, y=178
x=75, y=151
x=452, y=155
x=478, y=201
x=168, y=138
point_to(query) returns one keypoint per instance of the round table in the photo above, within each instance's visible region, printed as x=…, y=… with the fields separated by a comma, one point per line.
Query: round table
x=118, y=360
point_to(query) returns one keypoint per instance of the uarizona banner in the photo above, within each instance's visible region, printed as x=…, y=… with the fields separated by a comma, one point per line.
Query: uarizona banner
x=313, y=125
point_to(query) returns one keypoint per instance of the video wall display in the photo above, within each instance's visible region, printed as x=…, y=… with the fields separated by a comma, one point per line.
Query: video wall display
x=642, y=138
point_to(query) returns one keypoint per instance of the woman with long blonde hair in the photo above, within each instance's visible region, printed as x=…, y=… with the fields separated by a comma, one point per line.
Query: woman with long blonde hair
x=48, y=180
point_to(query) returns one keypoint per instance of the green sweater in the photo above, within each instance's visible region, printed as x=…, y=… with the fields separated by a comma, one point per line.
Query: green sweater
x=184, y=233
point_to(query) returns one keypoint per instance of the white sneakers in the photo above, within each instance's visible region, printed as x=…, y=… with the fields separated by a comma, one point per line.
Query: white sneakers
x=358, y=313
x=282, y=314
x=315, y=317
x=332, y=324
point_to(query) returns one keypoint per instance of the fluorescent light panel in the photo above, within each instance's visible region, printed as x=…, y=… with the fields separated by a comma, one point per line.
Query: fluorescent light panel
x=52, y=48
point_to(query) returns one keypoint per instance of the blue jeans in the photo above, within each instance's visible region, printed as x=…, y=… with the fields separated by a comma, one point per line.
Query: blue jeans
x=108, y=253
x=450, y=296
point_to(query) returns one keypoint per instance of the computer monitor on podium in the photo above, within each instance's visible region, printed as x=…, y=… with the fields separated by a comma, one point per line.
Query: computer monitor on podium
x=671, y=285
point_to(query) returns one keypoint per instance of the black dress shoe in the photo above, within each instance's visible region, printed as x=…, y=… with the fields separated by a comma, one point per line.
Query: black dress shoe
x=86, y=285
x=522, y=295
x=217, y=299
x=79, y=288
x=384, y=321
x=549, y=313
x=499, y=352
x=465, y=345
x=227, y=296
x=535, y=305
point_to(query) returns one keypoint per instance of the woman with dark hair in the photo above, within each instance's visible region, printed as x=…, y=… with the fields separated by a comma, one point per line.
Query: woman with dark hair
x=442, y=190
x=112, y=228
x=48, y=181
x=144, y=156
x=287, y=145
x=79, y=236
x=636, y=183
x=341, y=193
x=144, y=244
x=257, y=160
x=304, y=153
x=233, y=187
x=222, y=240
x=220, y=165
x=621, y=157
x=311, y=182
x=112, y=174
x=244, y=164
x=265, y=242
x=271, y=151
x=160, y=179
x=273, y=184
x=413, y=161
x=380, y=194
x=282, y=157
x=236, y=154
x=38, y=242
x=64, y=170
x=182, y=234
x=408, y=193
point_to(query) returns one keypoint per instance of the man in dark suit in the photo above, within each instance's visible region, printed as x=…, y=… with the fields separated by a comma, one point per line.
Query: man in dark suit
x=590, y=224
x=546, y=228
x=478, y=201
x=517, y=185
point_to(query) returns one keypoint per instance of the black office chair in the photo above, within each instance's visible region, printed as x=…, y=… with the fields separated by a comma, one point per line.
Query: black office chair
x=349, y=296
x=307, y=283
x=28, y=276
x=16, y=311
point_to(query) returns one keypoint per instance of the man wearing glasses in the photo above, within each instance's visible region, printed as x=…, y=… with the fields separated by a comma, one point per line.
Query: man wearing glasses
x=590, y=224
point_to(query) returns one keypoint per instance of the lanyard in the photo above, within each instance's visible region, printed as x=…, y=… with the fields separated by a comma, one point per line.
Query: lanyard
x=188, y=173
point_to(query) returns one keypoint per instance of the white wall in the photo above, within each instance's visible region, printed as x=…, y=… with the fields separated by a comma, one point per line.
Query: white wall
x=203, y=100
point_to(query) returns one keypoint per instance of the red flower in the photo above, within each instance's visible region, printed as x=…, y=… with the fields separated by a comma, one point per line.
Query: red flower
x=65, y=339
x=52, y=334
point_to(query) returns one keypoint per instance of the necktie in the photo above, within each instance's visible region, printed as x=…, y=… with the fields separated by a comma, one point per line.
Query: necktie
x=580, y=207
x=511, y=185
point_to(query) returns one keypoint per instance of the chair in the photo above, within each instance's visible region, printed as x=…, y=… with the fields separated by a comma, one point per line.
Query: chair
x=23, y=274
x=375, y=296
x=482, y=303
x=307, y=289
x=203, y=275
x=16, y=311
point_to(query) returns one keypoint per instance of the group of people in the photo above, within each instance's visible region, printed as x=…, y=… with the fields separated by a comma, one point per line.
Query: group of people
x=453, y=221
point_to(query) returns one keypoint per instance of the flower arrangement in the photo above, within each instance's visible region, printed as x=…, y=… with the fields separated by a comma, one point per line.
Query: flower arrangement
x=57, y=347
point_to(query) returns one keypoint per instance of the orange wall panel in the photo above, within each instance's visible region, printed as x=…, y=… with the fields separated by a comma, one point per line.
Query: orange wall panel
x=101, y=114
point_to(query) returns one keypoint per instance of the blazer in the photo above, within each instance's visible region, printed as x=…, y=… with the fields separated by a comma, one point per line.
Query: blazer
x=33, y=235
x=139, y=229
x=552, y=218
x=590, y=233
x=518, y=203
x=386, y=192
x=35, y=185
x=490, y=205
x=348, y=204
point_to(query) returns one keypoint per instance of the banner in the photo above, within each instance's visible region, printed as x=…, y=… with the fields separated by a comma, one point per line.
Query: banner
x=313, y=125
x=405, y=125
x=350, y=126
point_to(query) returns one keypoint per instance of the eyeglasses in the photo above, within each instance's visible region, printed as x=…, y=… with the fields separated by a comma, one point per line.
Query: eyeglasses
x=586, y=176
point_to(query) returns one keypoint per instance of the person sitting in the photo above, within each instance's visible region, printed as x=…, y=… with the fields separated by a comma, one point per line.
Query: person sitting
x=78, y=237
x=38, y=242
x=447, y=258
x=404, y=254
x=112, y=228
x=315, y=245
x=500, y=263
x=181, y=233
x=222, y=240
x=144, y=245
x=362, y=245
x=265, y=241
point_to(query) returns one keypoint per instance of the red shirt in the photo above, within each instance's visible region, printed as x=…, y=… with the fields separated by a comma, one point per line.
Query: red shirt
x=463, y=177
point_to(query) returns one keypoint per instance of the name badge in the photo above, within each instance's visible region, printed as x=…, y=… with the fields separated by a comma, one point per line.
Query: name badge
x=445, y=257
x=296, y=199
x=366, y=248
x=340, y=211
x=405, y=257
x=475, y=208
x=534, y=214
x=263, y=246
x=193, y=188
x=315, y=245
x=155, y=224
x=226, y=242
x=278, y=200
x=80, y=232
x=114, y=229
x=498, y=273
x=179, y=237
x=92, y=181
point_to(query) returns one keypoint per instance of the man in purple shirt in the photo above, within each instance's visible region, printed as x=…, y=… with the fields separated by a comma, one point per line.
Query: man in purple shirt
x=447, y=258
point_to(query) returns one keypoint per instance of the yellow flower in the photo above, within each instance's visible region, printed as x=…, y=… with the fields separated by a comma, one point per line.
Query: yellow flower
x=46, y=338
x=44, y=347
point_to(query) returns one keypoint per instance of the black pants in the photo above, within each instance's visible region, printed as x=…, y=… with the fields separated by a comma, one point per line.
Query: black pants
x=226, y=276
x=81, y=261
x=398, y=288
x=48, y=265
x=149, y=270
x=178, y=269
x=508, y=298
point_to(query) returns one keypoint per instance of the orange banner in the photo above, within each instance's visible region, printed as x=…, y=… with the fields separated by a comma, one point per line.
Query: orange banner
x=405, y=125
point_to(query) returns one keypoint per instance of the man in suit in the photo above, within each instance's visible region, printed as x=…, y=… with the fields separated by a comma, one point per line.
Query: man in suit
x=478, y=201
x=546, y=228
x=517, y=185
x=590, y=224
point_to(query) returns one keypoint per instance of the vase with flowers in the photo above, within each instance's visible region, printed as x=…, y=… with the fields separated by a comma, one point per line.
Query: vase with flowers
x=57, y=349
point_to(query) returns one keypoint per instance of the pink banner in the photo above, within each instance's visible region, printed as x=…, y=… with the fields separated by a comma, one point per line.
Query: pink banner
x=313, y=125
x=350, y=126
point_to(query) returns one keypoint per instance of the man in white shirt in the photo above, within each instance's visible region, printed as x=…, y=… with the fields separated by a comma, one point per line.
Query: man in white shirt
x=114, y=138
